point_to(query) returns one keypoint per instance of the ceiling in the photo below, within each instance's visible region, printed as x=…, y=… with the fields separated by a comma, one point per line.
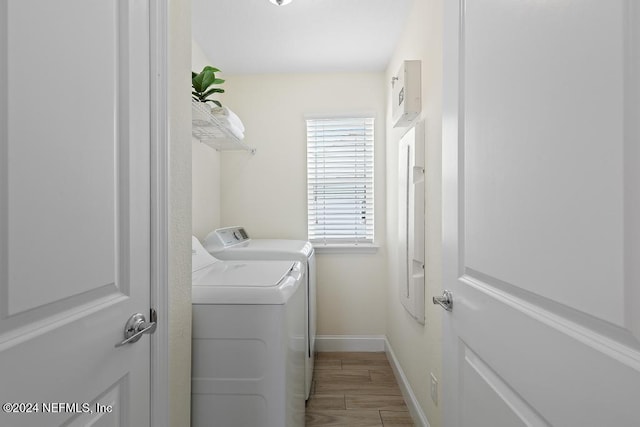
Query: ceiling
x=305, y=36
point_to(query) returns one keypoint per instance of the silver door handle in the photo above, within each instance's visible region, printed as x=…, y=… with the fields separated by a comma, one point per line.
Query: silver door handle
x=446, y=300
x=136, y=326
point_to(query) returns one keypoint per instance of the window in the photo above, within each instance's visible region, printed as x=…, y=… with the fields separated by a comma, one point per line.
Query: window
x=340, y=180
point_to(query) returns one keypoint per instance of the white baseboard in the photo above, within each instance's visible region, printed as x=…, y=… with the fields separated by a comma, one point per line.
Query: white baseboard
x=418, y=416
x=350, y=342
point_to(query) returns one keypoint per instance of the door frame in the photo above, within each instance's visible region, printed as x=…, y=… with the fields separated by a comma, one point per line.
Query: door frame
x=452, y=120
x=159, y=244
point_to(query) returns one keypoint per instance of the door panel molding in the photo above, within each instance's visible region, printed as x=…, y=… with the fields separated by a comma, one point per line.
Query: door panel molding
x=544, y=204
x=115, y=397
x=553, y=371
x=624, y=326
x=506, y=400
x=565, y=314
x=29, y=324
x=122, y=146
x=625, y=350
x=16, y=315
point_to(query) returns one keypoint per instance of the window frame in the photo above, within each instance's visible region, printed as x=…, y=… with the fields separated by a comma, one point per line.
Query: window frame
x=323, y=243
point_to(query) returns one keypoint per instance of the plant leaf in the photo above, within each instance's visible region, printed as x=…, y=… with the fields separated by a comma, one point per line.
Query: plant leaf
x=212, y=91
x=208, y=79
x=203, y=80
x=196, y=82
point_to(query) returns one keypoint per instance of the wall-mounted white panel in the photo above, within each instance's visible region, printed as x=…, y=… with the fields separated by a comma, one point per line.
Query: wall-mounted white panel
x=412, y=220
x=406, y=93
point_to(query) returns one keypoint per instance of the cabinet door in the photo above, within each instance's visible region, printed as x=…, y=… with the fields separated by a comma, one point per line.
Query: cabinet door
x=412, y=220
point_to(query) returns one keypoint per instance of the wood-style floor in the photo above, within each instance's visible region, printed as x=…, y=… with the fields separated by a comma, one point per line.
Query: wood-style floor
x=355, y=389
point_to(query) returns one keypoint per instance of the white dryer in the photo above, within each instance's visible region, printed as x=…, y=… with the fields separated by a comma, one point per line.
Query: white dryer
x=248, y=342
x=233, y=243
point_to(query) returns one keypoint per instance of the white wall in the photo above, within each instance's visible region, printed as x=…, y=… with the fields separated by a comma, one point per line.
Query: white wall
x=417, y=347
x=205, y=169
x=266, y=192
x=179, y=39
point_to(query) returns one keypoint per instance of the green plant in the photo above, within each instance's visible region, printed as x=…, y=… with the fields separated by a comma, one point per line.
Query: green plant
x=202, y=82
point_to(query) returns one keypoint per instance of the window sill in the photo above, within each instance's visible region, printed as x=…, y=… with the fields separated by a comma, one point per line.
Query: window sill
x=350, y=248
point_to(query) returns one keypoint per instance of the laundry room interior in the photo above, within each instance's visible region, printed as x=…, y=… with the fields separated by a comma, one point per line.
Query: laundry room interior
x=287, y=213
x=262, y=185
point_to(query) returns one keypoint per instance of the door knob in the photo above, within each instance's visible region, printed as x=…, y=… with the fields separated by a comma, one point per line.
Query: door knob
x=446, y=300
x=136, y=326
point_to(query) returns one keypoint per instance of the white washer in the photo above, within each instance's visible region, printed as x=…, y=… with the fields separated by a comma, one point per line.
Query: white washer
x=248, y=342
x=233, y=243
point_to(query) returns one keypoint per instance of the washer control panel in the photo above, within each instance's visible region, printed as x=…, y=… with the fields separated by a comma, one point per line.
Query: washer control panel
x=231, y=235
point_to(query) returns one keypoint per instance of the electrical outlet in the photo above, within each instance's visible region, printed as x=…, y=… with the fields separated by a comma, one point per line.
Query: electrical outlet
x=434, y=389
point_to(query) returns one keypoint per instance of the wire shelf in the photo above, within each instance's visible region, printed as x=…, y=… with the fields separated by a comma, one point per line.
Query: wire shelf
x=208, y=129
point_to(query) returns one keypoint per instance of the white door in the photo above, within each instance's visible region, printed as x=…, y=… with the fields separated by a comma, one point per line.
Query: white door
x=542, y=213
x=74, y=211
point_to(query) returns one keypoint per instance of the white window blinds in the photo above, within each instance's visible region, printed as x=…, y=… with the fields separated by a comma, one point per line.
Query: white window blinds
x=340, y=180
